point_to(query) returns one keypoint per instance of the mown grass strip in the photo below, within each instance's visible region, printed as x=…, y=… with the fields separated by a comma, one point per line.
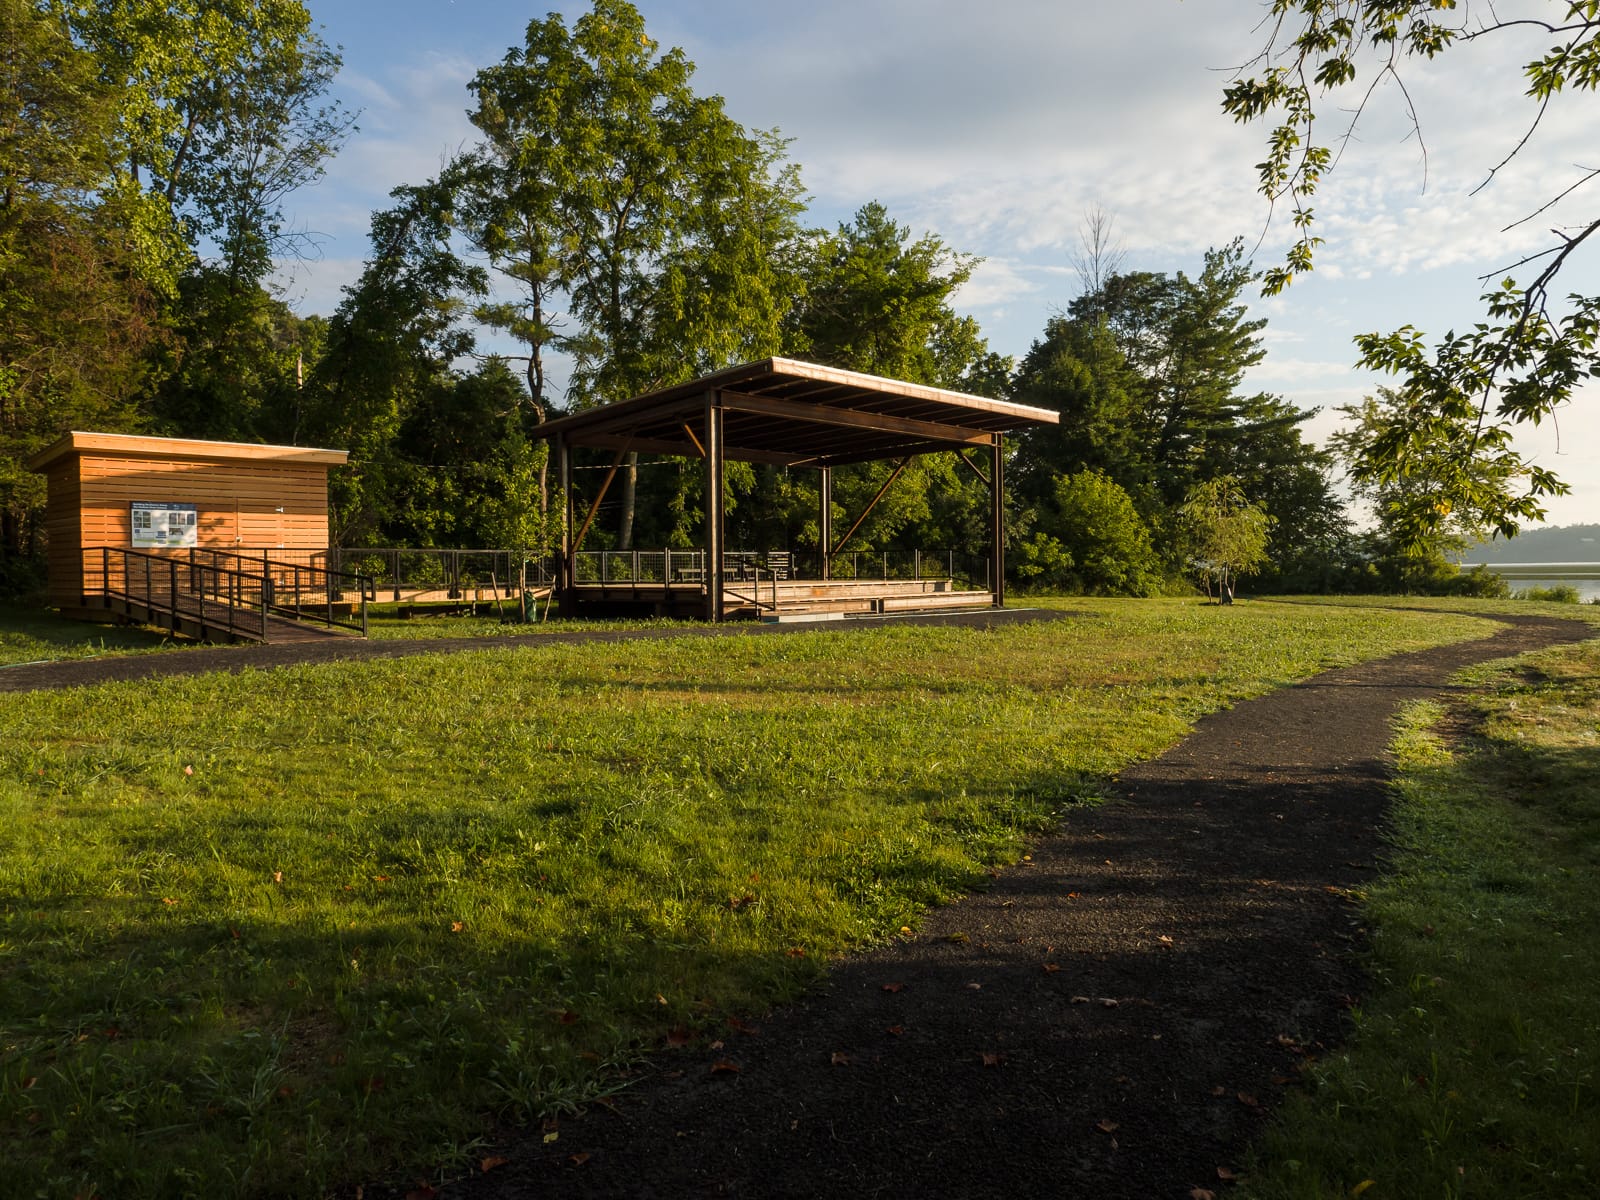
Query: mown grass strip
x=30, y=635
x=261, y=934
x=1472, y=1068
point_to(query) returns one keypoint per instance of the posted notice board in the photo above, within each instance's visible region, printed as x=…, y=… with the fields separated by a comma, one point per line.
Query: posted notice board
x=159, y=525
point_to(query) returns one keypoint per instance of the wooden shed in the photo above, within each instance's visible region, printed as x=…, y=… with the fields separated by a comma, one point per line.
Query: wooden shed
x=160, y=495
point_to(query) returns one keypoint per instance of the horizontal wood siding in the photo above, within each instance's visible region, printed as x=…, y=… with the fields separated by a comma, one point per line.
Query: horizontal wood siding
x=237, y=502
x=63, y=535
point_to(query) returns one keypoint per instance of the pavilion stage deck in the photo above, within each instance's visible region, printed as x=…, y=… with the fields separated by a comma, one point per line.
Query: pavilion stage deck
x=768, y=599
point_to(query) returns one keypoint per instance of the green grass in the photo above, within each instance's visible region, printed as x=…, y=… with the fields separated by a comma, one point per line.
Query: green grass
x=1472, y=1069
x=29, y=635
x=384, y=622
x=269, y=933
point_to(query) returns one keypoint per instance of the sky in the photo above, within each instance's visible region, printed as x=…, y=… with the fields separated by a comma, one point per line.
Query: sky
x=999, y=126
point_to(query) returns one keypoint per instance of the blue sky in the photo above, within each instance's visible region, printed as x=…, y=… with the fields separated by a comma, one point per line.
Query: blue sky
x=998, y=125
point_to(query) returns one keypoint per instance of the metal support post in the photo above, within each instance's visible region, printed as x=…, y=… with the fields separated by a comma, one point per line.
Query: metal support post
x=714, y=503
x=825, y=520
x=997, y=520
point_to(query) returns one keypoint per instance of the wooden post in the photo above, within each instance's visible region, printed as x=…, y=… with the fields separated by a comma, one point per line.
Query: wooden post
x=825, y=520
x=714, y=514
x=997, y=520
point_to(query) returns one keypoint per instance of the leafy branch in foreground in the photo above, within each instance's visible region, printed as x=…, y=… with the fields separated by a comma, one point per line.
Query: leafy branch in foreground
x=1461, y=404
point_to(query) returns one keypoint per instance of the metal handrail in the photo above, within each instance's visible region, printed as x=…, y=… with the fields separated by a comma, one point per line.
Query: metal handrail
x=292, y=588
x=258, y=586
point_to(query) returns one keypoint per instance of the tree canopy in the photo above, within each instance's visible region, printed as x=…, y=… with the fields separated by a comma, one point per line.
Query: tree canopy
x=1457, y=403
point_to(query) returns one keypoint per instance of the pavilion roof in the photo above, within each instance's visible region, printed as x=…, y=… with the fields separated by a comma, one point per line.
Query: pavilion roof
x=780, y=410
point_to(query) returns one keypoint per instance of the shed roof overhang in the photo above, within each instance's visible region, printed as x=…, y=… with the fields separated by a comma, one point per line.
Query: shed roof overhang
x=125, y=445
x=795, y=413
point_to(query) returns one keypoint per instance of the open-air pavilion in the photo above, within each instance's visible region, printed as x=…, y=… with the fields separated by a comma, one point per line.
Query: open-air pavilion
x=796, y=415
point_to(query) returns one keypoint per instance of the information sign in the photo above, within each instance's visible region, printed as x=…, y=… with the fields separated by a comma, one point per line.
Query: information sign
x=164, y=526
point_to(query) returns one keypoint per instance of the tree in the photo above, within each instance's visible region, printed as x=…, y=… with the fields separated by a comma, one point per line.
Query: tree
x=76, y=317
x=1406, y=559
x=1226, y=534
x=392, y=341
x=1461, y=400
x=1078, y=370
x=660, y=223
x=220, y=117
x=1095, y=541
x=879, y=300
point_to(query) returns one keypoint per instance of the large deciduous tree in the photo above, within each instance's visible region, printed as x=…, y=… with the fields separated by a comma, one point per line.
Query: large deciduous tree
x=76, y=318
x=880, y=300
x=1450, y=421
x=646, y=233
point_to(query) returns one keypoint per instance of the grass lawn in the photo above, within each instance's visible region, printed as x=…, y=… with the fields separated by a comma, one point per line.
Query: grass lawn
x=29, y=635
x=1472, y=1069
x=268, y=933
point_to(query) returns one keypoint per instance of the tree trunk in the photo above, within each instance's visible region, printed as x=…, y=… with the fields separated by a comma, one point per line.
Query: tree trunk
x=630, y=491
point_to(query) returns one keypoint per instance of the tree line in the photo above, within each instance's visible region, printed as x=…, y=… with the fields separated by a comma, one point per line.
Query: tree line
x=611, y=220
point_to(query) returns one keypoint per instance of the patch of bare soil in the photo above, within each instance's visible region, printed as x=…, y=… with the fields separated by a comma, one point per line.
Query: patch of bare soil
x=1115, y=1017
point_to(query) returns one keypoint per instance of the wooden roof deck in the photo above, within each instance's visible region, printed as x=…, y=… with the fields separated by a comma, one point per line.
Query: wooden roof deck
x=795, y=413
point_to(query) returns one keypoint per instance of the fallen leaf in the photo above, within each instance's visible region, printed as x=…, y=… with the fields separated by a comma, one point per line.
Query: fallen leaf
x=578, y=1159
x=1362, y=1186
x=894, y=987
x=492, y=1162
x=679, y=1036
x=29, y=1082
x=1108, y=1002
x=660, y=999
x=456, y=926
x=905, y=929
x=841, y=1059
x=1226, y=1175
x=277, y=877
x=187, y=770
x=896, y=1030
x=168, y=900
x=795, y=952
x=1106, y=1126
x=992, y=1060
x=1072, y=895
x=725, y=1066
x=974, y=987
x=738, y=1026
x=1164, y=938
x=380, y=879
x=1051, y=968
x=718, y=1044
x=744, y=901
x=1080, y=1000
x=568, y=1017
x=1219, y=1090
x=553, y=1135
x=957, y=937
x=1249, y=1101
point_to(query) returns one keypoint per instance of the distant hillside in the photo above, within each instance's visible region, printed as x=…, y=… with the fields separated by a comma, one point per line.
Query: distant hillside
x=1561, y=543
